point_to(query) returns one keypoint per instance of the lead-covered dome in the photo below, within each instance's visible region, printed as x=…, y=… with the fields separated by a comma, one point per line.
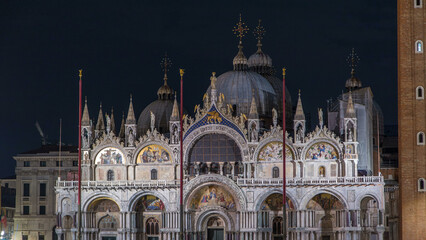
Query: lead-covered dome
x=162, y=110
x=260, y=62
x=238, y=87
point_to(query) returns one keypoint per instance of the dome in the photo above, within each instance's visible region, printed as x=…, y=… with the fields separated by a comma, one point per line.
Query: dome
x=238, y=88
x=260, y=62
x=161, y=108
x=353, y=83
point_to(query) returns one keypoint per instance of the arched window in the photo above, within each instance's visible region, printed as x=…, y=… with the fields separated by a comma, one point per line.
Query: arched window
x=420, y=92
x=277, y=226
x=108, y=222
x=154, y=174
x=419, y=46
x=418, y=3
x=110, y=175
x=152, y=227
x=321, y=171
x=275, y=172
x=421, y=185
x=420, y=138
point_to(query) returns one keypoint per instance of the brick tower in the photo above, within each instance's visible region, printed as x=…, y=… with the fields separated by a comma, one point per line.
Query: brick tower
x=412, y=117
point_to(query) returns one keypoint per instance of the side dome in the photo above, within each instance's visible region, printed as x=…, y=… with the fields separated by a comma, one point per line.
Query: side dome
x=260, y=62
x=353, y=83
x=162, y=110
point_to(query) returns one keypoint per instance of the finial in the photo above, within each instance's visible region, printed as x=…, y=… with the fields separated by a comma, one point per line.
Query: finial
x=353, y=60
x=131, y=97
x=112, y=110
x=85, y=99
x=299, y=92
x=259, y=32
x=165, y=65
x=284, y=71
x=80, y=74
x=100, y=106
x=181, y=72
x=240, y=30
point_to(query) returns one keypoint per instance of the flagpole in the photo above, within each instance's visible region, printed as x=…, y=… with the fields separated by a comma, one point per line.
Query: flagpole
x=284, y=177
x=79, y=156
x=181, y=234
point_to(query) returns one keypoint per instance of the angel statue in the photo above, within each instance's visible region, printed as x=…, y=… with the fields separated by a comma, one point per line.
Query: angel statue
x=152, y=121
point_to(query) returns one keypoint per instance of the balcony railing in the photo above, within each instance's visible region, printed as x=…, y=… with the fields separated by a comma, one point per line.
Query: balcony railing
x=243, y=182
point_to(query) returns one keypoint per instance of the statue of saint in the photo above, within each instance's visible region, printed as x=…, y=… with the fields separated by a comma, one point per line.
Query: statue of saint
x=321, y=121
x=152, y=121
x=213, y=80
x=131, y=138
x=274, y=117
x=108, y=121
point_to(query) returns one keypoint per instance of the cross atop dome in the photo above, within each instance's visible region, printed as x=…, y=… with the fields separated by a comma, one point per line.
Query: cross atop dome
x=353, y=60
x=259, y=32
x=165, y=64
x=240, y=30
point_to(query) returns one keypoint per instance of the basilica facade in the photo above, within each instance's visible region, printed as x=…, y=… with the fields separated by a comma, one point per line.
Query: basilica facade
x=233, y=169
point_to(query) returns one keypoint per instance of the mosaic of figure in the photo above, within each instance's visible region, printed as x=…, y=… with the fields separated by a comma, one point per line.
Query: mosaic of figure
x=212, y=196
x=153, y=154
x=109, y=156
x=273, y=152
x=324, y=201
x=151, y=203
x=274, y=202
x=322, y=151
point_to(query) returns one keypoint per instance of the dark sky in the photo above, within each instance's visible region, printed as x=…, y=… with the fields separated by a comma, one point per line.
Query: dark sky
x=119, y=45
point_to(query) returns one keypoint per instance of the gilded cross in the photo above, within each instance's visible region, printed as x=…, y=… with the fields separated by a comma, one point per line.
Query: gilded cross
x=241, y=29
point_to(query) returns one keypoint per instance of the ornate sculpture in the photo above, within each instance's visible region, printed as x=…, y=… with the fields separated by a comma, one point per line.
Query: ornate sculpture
x=131, y=138
x=274, y=117
x=213, y=80
x=108, y=121
x=321, y=121
x=152, y=121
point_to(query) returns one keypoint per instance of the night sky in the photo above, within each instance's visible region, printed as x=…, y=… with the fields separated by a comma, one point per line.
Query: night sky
x=119, y=46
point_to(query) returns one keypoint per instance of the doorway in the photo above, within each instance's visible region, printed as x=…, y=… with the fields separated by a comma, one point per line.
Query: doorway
x=215, y=234
x=108, y=238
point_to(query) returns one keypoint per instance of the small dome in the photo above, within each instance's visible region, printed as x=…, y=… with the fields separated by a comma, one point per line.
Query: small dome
x=165, y=92
x=240, y=60
x=259, y=59
x=353, y=83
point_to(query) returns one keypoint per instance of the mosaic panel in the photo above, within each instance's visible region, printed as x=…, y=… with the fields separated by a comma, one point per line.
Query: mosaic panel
x=212, y=196
x=153, y=154
x=324, y=201
x=213, y=117
x=322, y=151
x=273, y=151
x=274, y=202
x=150, y=203
x=109, y=156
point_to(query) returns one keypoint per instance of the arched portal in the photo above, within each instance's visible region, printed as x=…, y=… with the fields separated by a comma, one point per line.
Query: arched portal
x=328, y=211
x=148, y=217
x=103, y=214
x=270, y=215
x=370, y=218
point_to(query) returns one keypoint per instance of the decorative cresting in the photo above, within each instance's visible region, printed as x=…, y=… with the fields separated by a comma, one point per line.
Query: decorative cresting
x=213, y=116
x=190, y=189
x=273, y=151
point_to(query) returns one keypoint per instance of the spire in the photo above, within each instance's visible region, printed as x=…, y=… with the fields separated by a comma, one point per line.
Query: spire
x=175, y=111
x=259, y=32
x=253, y=108
x=165, y=92
x=350, y=110
x=122, y=132
x=100, y=124
x=131, y=114
x=240, y=60
x=85, y=120
x=300, y=115
x=112, y=120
